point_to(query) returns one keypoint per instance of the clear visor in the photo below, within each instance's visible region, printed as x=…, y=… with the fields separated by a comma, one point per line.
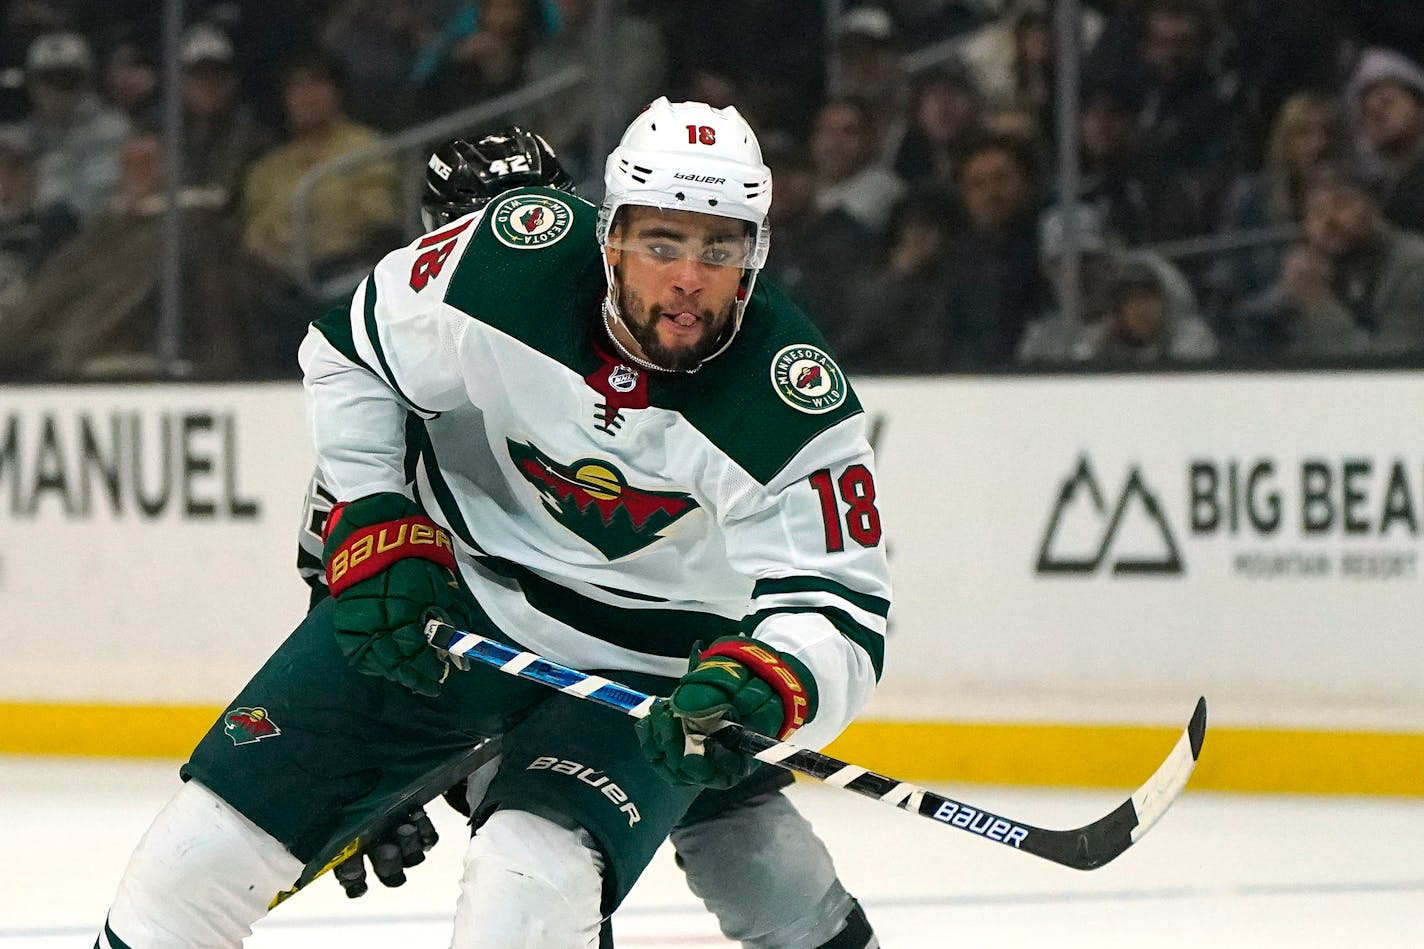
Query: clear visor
x=671, y=235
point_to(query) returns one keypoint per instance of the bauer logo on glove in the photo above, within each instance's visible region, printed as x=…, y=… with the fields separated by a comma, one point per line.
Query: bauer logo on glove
x=390, y=569
x=752, y=658
x=372, y=549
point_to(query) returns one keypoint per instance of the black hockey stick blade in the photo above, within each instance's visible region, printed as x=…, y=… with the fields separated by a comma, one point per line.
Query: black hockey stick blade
x=1084, y=848
x=1098, y=843
x=416, y=794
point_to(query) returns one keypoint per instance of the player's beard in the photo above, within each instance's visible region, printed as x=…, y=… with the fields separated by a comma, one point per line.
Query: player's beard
x=642, y=320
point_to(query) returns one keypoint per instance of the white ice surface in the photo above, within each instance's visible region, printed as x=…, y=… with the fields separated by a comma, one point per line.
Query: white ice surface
x=1219, y=871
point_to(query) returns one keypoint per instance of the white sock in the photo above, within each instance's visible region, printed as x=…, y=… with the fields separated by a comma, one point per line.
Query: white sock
x=529, y=884
x=200, y=877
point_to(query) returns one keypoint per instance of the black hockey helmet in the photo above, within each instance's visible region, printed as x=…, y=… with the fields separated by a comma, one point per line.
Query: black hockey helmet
x=463, y=176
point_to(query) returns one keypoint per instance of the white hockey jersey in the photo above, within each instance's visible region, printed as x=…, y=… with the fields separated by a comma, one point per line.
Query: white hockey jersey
x=608, y=517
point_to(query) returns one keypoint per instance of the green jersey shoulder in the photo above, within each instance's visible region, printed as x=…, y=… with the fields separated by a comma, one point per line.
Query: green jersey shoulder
x=532, y=270
x=775, y=388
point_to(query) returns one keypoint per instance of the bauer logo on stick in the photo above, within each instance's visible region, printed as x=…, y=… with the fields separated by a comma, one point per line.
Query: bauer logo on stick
x=247, y=725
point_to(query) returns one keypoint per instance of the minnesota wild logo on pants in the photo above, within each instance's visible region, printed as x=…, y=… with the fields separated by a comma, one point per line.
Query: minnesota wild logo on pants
x=247, y=725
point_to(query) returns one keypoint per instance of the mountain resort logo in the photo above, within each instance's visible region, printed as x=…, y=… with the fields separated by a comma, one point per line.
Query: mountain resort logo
x=1085, y=535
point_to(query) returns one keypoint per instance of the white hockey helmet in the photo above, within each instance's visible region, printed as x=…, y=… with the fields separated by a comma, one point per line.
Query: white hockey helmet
x=688, y=156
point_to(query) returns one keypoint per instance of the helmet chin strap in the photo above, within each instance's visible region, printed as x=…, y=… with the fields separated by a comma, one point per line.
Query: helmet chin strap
x=612, y=316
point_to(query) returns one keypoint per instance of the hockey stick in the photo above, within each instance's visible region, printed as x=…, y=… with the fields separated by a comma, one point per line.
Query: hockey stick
x=418, y=793
x=1084, y=848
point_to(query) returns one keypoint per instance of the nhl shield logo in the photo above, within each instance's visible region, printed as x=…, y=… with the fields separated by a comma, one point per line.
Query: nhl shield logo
x=807, y=379
x=247, y=725
x=623, y=378
x=526, y=221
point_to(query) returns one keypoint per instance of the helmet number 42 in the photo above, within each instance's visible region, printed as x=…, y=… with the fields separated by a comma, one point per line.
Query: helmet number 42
x=510, y=165
x=701, y=135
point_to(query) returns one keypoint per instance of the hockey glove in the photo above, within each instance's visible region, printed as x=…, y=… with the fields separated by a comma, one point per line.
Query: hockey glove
x=390, y=569
x=735, y=680
x=402, y=844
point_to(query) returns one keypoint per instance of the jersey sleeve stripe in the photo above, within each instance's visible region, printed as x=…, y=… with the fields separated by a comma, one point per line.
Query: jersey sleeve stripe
x=441, y=494
x=871, y=642
x=804, y=584
x=309, y=566
x=335, y=328
x=815, y=600
x=109, y=940
x=373, y=335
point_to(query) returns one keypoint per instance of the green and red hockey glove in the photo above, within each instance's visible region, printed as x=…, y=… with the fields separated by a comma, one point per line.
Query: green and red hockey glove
x=390, y=569
x=736, y=680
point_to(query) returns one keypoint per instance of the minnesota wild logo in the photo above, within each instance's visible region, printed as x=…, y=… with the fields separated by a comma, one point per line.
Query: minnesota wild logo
x=246, y=725
x=807, y=379
x=526, y=221
x=592, y=498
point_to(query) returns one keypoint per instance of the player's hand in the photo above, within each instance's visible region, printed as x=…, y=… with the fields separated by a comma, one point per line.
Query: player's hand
x=457, y=796
x=390, y=569
x=735, y=680
x=403, y=844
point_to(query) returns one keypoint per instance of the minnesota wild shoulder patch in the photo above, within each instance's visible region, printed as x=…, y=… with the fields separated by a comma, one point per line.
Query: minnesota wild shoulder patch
x=530, y=221
x=807, y=379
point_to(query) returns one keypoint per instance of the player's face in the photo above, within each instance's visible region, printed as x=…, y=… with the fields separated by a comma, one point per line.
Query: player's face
x=678, y=275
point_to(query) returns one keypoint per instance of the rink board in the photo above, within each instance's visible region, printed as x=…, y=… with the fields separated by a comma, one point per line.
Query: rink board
x=1075, y=560
x=1079, y=755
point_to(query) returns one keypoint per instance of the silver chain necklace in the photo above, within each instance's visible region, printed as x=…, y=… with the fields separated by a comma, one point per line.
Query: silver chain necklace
x=623, y=350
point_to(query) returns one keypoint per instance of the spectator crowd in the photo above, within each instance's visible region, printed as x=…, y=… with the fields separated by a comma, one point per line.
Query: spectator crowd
x=1251, y=187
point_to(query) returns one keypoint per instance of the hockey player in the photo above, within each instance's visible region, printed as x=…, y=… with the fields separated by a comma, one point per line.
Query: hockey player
x=623, y=450
x=751, y=858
